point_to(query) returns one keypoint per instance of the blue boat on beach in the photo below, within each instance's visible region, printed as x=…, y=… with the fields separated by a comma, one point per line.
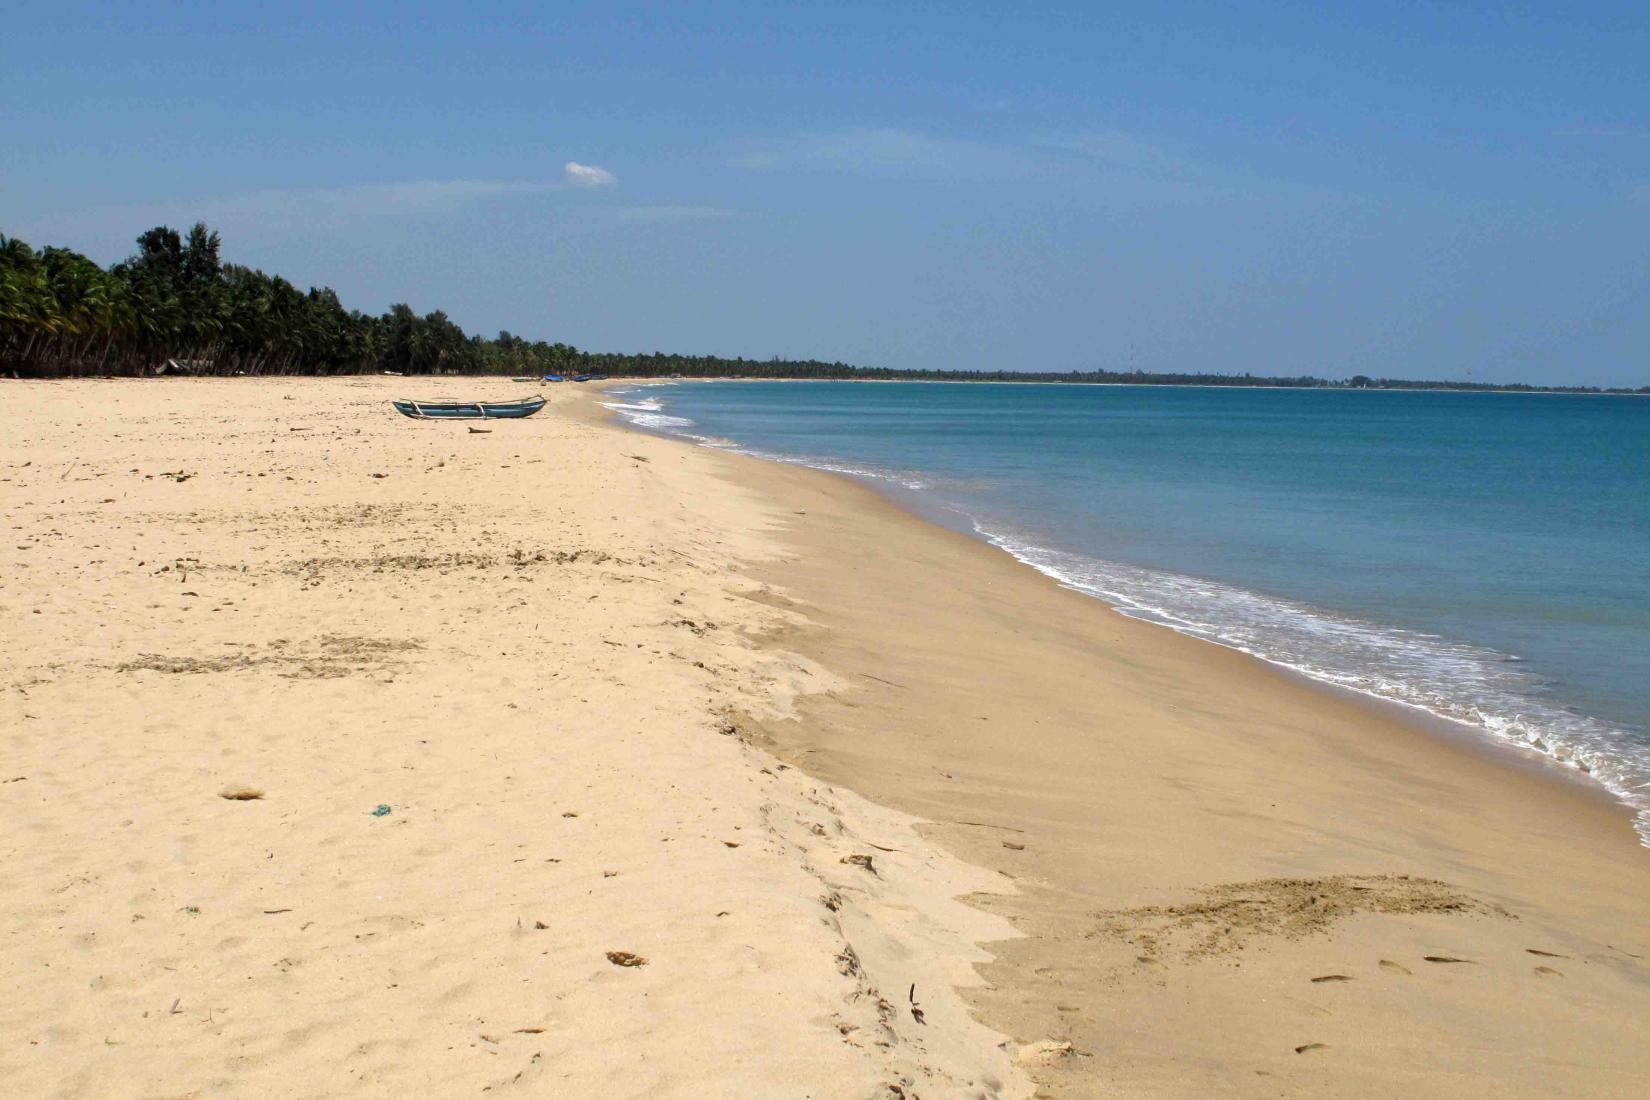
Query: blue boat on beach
x=468, y=410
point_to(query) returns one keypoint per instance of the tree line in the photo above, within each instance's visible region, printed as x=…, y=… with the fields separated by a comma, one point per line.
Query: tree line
x=176, y=300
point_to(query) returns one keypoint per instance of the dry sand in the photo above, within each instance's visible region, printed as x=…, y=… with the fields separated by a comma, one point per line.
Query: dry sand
x=618, y=694
x=522, y=643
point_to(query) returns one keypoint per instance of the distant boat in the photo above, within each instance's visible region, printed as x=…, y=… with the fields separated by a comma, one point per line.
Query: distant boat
x=524, y=379
x=468, y=410
x=554, y=378
x=583, y=377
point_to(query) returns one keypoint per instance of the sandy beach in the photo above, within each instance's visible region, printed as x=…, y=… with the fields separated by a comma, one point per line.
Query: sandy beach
x=348, y=755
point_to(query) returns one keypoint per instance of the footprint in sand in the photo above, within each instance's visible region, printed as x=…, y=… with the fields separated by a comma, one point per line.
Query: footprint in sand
x=1549, y=972
x=1388, y=964
x=1545, y=954
x=1333, y=978
x=1444, y=959
x=1306, y=1047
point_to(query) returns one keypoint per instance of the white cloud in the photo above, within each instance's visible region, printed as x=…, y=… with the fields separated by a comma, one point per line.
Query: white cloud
x=273, y=212
x=411, y=197
x=665, y=212
x=890, y=153
x=588, y=175
x=363, y=200
x=1117, y=149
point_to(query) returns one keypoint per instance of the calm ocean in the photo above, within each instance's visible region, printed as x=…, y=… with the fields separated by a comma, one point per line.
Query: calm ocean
x=1485, y=557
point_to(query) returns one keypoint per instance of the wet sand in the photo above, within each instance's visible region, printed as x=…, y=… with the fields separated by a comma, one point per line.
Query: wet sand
x=1231, y=881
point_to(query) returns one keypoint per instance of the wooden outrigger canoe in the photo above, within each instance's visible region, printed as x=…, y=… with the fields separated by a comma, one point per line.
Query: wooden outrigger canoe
x=468, y=410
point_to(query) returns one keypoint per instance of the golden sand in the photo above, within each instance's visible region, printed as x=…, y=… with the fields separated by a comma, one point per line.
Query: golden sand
x=348, y=755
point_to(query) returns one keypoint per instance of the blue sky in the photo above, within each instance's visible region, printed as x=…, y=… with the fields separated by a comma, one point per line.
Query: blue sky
x=1457, y=190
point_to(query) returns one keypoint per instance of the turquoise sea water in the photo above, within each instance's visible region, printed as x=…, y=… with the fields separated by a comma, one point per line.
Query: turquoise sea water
x=1485, y=557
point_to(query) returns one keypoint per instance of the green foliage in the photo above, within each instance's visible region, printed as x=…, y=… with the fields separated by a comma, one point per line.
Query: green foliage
x=175, y=299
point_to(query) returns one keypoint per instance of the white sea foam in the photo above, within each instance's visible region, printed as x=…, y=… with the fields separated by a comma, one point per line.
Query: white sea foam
x=1479, y=688
x=647, y=414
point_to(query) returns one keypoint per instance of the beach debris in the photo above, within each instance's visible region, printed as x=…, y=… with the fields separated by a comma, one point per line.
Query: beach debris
x=174, y=1010
x=626, y=958
x=730, y=843
x=859, y=860
x=540, y=926
x=1224, y=918
x=916, y=1009
x=381, y=810
x=1048, y=1050
x=16, y=779
x=988, y=825
x=479, y=431
x=272, y=912
x=1333, y=978
x=529, y=1031
x=380, y=475
x=1304, y=1047
x=241, y=794
x=638, y=458
x=1444, y=959
x=569, y=813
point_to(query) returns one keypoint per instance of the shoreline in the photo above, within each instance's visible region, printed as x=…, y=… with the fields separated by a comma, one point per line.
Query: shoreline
x=1562, y=769
x=1360, y=793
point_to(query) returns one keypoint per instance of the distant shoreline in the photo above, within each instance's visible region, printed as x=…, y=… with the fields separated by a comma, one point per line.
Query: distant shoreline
x=1533, y=391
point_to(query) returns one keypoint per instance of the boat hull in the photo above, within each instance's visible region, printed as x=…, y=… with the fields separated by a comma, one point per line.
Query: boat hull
x=468, y=410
